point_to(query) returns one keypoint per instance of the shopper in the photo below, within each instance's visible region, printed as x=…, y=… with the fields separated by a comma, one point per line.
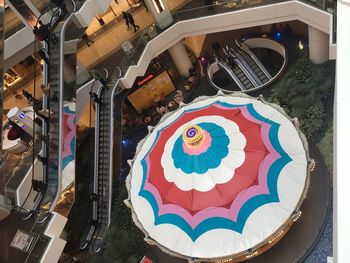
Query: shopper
x=216, y=47
x=288, y=31
x=129, y=20
x=42, y=31
x=43, y=56
x=101, y=21
x=28, y=96
x=46, y=89
x=274, y=29
x=95, y=98
x=87, y=40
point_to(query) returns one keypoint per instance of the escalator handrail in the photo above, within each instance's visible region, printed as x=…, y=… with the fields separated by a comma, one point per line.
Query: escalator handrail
x=232, y=74
x=246, y=49
x=112, y=93
x=96, y=154
x=61, y=106
x=242, y=68
x=284, y=65
x=98, y=176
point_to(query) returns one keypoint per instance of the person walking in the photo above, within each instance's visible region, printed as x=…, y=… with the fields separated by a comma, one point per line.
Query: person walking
x=129, y=20
x=95, y=98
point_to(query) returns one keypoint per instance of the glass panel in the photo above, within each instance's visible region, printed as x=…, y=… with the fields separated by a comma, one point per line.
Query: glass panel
x=23, y=166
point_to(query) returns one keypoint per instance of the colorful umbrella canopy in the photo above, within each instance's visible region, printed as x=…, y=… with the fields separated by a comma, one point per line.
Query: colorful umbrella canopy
x=68, y=162
x=218, y=177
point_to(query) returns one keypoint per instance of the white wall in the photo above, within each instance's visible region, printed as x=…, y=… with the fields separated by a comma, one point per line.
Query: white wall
x=341, y=138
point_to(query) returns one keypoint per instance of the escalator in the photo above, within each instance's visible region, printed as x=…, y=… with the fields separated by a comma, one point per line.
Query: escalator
x=52, y=135
x=245, y=67
x=222, y=64
x=103, y=179
x=238, y=70
x=47, y=142
x=260, y=71
x=101, y=196
x=42, y=183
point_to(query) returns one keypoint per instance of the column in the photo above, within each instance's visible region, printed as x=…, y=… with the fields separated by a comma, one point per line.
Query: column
x=318, y=45
x=160, y=11
x=180, y=58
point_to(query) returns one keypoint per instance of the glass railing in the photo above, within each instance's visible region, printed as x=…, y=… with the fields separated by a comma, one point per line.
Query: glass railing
x=24, y=165
x=197, y=10
x=40, y=5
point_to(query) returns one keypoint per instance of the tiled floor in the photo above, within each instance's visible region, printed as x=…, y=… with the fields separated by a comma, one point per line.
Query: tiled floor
x=110, y=41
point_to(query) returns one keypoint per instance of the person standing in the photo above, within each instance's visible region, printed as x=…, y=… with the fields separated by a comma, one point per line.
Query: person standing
x=129, y=20
x=87, y=39
x=216, y=47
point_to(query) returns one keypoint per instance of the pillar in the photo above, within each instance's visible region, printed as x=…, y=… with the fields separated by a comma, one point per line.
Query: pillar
x=180, y=58
x=318, y=45
x=160, y=11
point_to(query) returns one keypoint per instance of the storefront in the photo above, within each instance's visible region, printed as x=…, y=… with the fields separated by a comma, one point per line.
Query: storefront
x=156, y=93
